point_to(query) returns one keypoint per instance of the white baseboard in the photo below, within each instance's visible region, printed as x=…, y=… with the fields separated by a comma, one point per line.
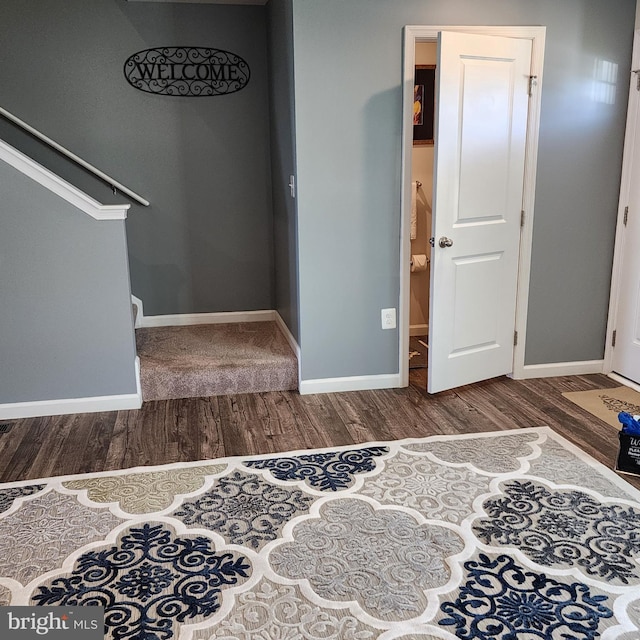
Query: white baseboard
x=419, y=330
x=58, y=407
x=625, y=381
x=352, y=383
x=287, y=334
x=15, y=410
x=140, y=314
x=187, y=319
x=560, y=369
x=226, y=317
x=138, y=382
x=223, y=317
x=282, y=325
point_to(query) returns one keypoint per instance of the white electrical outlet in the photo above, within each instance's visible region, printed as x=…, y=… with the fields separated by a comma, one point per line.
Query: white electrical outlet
x=388, y=318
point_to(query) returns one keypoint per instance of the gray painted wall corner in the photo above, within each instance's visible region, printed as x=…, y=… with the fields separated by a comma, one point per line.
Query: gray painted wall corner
x=283, y=165
x=65, y=315
x=348, y=121
x=206, y=242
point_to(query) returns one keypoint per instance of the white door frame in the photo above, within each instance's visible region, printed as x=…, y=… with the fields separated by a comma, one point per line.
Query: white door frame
x=630, y=140
x=413, y=35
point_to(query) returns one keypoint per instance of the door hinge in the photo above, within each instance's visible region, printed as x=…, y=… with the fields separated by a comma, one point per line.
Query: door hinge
x=613, y=338
x=533, y=81
x=625, y=218
x=637, y=72
x=515, y=338
x=522, y=218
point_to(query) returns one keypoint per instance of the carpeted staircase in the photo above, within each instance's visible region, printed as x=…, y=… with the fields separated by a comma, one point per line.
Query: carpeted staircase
x=214, y=359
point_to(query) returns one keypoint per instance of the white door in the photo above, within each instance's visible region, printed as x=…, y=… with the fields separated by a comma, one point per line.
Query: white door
x=626, y=354
x=481, y=124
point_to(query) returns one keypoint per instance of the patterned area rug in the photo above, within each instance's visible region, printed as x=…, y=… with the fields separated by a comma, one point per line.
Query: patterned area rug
x=513, y=535
x=606, y=404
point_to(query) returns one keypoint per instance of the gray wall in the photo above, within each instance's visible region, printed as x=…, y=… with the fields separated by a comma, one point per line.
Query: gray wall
x=206, y=243
x=283, y=161
x=348, y=66
x=578, y=182
x=65, y=310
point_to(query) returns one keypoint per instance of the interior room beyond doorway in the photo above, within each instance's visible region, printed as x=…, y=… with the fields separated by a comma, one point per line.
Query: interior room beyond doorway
x=422, y=191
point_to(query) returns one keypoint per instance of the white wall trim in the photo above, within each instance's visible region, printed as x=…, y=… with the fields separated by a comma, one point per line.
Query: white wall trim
x=61, y=187
x=123, y=402
x=419, y=330
x=555, y=369
x=625, y=381
x=287, y=334
x=630, y=143
x=413, y=34
x=188, y=319
x=291, y=340
x=222, y=317
x=140, y=314
x=353, y=383
x=138, y=381
x=97, y=404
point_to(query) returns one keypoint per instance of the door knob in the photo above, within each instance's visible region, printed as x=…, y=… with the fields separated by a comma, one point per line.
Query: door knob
x=445, y=242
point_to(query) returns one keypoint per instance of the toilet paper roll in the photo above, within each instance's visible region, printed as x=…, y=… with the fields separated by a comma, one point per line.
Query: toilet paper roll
x=419, y=263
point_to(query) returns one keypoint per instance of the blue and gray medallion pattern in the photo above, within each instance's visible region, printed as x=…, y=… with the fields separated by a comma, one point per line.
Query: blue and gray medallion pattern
x=506, y=536
x=149, y=582
x=323, y=471
x=565, y=529
x=245, y=509
x=501, y=599
x=9, y=496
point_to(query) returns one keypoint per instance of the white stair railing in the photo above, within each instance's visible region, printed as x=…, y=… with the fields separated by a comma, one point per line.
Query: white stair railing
x=72, y=156
x=61, y=187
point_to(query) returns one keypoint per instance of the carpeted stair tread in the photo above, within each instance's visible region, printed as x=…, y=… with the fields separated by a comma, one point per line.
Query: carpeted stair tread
x=214, y=359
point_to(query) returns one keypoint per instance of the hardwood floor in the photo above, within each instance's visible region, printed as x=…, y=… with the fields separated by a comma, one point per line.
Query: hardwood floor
x=205, y=428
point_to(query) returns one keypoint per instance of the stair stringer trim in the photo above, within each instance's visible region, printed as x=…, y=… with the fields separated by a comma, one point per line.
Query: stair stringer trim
x=60, y=187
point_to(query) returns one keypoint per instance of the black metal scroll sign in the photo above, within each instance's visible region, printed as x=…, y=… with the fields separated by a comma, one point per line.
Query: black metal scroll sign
x=187, y=71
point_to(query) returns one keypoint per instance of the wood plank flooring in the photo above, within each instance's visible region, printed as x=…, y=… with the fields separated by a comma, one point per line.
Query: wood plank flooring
x=205, y=428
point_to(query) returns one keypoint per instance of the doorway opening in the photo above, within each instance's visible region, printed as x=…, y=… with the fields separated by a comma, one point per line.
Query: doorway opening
x=415, y=305
x=421, y=218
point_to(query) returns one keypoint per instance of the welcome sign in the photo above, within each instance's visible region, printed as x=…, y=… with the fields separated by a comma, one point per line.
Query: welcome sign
x=187, y=71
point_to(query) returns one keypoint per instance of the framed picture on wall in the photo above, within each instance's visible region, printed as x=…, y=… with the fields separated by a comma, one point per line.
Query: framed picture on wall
x=423, y=103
